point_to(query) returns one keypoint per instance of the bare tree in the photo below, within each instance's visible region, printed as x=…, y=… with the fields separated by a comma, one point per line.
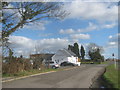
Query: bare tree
x=17, y=14
x=94, y=52
x=93, y=47
x=23, y=13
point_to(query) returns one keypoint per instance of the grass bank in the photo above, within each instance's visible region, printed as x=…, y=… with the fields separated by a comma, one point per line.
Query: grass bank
x=111, y=77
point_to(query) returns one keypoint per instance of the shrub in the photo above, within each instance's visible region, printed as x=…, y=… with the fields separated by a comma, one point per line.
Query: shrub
x=16, y=65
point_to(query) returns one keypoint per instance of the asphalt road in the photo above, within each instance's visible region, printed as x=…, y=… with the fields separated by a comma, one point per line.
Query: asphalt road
x=79, y=77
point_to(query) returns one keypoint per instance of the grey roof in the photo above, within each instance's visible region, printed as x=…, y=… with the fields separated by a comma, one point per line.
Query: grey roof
x=67, y=53
x=64, y=53
x=72, y=53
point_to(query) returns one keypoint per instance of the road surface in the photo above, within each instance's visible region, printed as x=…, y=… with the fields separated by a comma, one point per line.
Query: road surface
x=79, y=77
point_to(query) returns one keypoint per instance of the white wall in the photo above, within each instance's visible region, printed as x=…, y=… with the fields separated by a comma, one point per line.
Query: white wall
x=59, y=59
x=74, y=60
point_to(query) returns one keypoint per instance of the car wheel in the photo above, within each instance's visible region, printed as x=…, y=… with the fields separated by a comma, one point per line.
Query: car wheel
x=54, y=67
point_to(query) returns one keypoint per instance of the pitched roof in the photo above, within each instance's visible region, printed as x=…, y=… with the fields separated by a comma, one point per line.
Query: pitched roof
x=63, y=52
x=67, y=53
x=72, y=53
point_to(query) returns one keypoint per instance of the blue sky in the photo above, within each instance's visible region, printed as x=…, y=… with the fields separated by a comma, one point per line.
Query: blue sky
x=87, y=23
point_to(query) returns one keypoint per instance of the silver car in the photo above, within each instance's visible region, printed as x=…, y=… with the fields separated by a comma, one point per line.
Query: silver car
x=52, y=64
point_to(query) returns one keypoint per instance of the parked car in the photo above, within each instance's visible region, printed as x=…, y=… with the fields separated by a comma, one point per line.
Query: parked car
x=67, y=64
x=52, y=64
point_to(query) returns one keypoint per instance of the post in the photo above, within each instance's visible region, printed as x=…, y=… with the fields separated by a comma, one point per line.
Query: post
x=114, y=61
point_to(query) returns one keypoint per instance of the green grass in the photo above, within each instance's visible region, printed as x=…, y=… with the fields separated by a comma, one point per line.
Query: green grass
x=105, y=62
x=90, y=62
x=30, y=72
x=86, y=62
x=111, y=76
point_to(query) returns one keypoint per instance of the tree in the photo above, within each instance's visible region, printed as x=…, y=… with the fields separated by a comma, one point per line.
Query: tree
x=70, y=47
x=23, y=13
x=93, y=47
x=82, y=51
x=74, y=49
x=15, y=15
x=95, y=52
x=10, y=54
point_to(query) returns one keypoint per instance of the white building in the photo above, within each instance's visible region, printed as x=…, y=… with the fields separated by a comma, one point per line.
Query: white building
x=65, y=55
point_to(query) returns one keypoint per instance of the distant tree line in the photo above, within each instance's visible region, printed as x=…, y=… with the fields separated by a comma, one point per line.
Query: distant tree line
x=93, y=52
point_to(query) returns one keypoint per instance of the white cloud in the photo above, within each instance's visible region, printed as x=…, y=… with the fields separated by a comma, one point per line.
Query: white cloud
x=45, y=34
x=97, y=11
x=114, y=38
x=21, y=45
x=20, y=41
x=109, y=25
x=53, y=44
x=90, y=27
x=110, y=36
x=80, y=36
x=38, y=25
x=67, y=31
x=113, y=41
x=25, y=46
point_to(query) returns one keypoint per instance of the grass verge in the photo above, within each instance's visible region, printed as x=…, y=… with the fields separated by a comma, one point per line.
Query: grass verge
x=86, y=62
x=105, y=62
x=31, y=72
x=90, y=62
x=25, y=73
x=111, y=77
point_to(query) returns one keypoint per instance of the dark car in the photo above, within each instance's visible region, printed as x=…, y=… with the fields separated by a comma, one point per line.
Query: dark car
x=67, y=64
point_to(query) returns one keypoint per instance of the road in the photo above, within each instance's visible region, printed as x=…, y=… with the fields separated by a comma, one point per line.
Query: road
x=79, y=77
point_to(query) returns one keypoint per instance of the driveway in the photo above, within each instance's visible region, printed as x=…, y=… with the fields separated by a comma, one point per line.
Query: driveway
x=79, y=77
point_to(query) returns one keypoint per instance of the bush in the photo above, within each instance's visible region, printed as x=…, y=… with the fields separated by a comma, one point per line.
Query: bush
x=27, y=65
x=13, y=66
x=16, y=65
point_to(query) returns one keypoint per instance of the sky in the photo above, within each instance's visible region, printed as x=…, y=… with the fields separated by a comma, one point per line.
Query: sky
x=88, y=22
